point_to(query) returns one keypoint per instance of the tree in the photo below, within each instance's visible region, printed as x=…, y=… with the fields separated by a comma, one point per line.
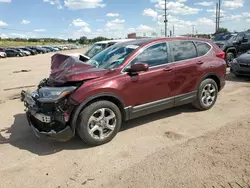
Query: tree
x=221, y=30
x=248, y=30
x=83, y=40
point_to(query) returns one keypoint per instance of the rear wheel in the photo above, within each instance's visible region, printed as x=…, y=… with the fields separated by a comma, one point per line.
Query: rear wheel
x=99, y=122
x=207, y=95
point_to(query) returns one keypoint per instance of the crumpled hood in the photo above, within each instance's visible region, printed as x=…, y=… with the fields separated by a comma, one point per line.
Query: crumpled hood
x=244, y=58
x=66, y=68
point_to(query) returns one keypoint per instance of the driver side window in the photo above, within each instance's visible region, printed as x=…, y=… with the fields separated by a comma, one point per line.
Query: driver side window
x=154, y=55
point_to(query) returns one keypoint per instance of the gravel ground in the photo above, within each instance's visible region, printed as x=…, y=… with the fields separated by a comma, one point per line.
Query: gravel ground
x=179, y=147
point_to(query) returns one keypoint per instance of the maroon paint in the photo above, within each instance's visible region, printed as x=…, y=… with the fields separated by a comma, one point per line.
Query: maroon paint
x=155, y=84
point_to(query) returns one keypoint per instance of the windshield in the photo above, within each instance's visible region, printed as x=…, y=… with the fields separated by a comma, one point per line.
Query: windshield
x=95, y=49
x=113, y=56
x=223, y=37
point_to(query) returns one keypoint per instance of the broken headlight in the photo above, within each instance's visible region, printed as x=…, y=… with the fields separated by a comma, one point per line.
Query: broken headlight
x=53, y=94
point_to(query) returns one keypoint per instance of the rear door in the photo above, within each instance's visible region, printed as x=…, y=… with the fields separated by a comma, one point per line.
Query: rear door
x=189, y=68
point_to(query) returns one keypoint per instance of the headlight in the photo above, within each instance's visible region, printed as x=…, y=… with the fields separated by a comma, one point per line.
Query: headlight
x=52, y=94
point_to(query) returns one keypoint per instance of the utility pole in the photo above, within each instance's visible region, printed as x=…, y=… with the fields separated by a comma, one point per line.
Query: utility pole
x=219, y=14
x=173, y=30
x=193, y=30
x=216, y=18
x=165, y=20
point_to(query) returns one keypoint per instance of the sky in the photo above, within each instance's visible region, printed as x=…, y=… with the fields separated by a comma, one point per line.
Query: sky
x=116, y=18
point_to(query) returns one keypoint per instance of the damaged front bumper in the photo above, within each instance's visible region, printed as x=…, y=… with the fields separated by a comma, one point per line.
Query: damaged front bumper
x=47, y=120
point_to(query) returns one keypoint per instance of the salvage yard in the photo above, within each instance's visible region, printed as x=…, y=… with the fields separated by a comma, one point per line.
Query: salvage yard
x=179, y=147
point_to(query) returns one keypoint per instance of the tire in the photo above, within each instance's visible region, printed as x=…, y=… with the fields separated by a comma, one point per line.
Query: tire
x=85, y=126
x=230, y=57
x=202, y=96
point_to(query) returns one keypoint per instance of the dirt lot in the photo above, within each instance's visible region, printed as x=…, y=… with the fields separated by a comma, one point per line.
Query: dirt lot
x=179, y=147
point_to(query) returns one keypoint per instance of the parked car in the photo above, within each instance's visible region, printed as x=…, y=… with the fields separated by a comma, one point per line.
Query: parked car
x=13, y=53
x=26, y=53
x=59, y=47
x=97, y=48
x=3, y=54
x=48, y=49
x=54, y=49
x=32, y=51
x=38, y=49
x=233, y=44
x=65, y=48
x=123, y=82
x=2, y=49
x=241, y=65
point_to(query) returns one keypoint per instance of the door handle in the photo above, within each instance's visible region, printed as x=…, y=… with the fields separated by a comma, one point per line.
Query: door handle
x=200, y=63
x=168, y=69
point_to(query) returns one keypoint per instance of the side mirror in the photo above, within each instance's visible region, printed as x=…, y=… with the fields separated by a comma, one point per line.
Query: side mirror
x=138, y=67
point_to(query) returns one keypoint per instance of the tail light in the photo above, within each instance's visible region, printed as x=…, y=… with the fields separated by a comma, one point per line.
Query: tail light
x=221, y=55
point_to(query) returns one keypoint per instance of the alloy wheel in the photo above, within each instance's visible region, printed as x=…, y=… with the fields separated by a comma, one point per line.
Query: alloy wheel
x=101, y=123
x=208, y=94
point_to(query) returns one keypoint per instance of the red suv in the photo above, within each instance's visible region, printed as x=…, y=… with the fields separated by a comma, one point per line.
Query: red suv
x=123, y=82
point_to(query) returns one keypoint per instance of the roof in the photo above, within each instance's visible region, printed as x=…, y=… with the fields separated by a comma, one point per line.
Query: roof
x=119, y=40
x=140, y=42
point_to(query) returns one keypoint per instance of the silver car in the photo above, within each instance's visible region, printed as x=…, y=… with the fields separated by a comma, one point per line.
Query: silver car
x=3, y=55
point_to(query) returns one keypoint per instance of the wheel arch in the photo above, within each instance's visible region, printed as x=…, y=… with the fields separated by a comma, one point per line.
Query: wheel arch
x=232, y=50
x=102, y=96
x=214, y=77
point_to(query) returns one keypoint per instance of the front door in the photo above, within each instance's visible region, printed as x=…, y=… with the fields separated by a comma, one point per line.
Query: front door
x=151, y=91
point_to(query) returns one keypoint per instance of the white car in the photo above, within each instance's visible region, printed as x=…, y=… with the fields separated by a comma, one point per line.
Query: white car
x=3, y=55
x=65, y=48
x=97, y=48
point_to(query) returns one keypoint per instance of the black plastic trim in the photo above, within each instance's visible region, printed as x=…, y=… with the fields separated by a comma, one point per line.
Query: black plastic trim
x=185, y=98
x=151, y=107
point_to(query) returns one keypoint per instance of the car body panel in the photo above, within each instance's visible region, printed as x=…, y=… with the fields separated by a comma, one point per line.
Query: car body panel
x=241, y=65
x=3, y=55
x=136, y=93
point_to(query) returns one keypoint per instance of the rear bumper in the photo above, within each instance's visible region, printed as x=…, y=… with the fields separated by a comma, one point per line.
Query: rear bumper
x=51, y=126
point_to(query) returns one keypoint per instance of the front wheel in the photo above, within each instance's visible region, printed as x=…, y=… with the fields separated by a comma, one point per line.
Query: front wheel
x=99, y=122
x=230, y=58
x=207, y=95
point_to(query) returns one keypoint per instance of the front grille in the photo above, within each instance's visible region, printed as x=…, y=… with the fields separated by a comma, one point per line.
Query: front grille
x=245, y=65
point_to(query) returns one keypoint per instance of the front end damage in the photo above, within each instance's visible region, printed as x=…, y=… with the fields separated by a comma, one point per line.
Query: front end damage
x=50, y=108
x=48, y=112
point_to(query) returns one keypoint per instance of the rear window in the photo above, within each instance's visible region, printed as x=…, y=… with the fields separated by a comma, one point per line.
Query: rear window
x=202, y=48
x=182, y=50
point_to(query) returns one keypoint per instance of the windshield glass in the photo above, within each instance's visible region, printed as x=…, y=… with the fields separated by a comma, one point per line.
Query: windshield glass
x=95, y=49
x=223, y=37
x=113, y=56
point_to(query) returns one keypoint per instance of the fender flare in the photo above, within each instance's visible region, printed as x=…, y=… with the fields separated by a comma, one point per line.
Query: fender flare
x=79, y=108
x=206, y=76
x=232, y=48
